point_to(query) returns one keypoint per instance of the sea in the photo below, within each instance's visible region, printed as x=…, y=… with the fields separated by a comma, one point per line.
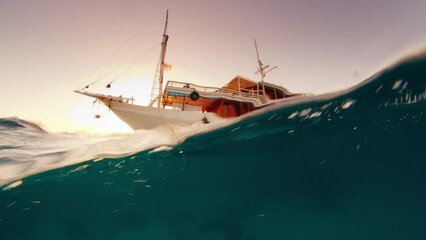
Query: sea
x=344, y=165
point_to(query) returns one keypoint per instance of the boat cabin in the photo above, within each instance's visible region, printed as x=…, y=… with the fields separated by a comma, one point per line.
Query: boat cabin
x=240, y=96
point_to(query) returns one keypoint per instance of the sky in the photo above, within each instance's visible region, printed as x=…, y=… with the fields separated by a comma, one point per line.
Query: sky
x=49, y=48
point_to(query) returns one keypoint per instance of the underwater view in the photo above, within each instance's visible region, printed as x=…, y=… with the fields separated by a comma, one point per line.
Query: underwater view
x=346, y=165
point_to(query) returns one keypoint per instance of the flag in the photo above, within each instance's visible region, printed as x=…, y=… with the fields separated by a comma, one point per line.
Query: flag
x=167, y=67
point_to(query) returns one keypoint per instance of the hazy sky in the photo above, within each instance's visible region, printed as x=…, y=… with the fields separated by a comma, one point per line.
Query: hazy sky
x=48, y=48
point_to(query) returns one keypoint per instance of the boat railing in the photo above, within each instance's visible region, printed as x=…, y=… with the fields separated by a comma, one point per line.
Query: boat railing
x=120, y=99
x=242, y=92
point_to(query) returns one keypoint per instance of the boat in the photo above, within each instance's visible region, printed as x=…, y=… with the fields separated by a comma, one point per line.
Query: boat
x=184, y=103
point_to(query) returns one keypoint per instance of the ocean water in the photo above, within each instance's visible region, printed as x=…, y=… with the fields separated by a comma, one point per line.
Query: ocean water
x=347, y=165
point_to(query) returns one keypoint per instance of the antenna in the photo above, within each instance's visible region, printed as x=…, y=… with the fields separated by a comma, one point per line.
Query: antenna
x=261, y=69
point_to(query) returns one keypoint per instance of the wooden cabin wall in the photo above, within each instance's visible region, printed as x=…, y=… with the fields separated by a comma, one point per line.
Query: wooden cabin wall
x=227, y=109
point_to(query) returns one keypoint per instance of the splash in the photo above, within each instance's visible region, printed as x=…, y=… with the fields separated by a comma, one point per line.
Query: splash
x=26, y=148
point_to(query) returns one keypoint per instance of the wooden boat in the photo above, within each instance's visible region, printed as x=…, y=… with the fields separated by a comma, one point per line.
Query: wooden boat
x=184, y=103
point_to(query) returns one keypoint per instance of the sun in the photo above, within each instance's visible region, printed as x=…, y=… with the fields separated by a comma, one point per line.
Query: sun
x=94, y=117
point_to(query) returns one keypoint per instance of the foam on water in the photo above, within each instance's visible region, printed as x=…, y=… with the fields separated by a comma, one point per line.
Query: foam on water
x=27, y=149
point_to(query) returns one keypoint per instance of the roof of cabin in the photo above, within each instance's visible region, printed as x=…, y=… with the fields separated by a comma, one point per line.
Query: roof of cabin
x=239, y=81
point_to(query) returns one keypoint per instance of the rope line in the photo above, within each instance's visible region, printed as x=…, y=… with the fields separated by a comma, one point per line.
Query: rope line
x=116, y=51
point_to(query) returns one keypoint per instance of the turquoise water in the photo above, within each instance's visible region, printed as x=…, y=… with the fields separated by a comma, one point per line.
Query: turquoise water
x=350, y=165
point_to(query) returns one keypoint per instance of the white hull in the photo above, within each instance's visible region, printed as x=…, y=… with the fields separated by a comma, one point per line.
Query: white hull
x=141, y=117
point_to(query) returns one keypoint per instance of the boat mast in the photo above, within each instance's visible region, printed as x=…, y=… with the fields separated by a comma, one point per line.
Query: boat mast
x=261, y=69
x=159, y=81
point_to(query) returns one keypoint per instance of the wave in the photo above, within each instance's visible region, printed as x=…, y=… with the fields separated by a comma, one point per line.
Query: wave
x=335, y=166
x=27, y=149
x=14, y=122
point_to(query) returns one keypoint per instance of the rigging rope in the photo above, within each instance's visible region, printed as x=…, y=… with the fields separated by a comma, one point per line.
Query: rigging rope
x=90, y=84
x=115, y=52
x=120, y=72
x=129, y=66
